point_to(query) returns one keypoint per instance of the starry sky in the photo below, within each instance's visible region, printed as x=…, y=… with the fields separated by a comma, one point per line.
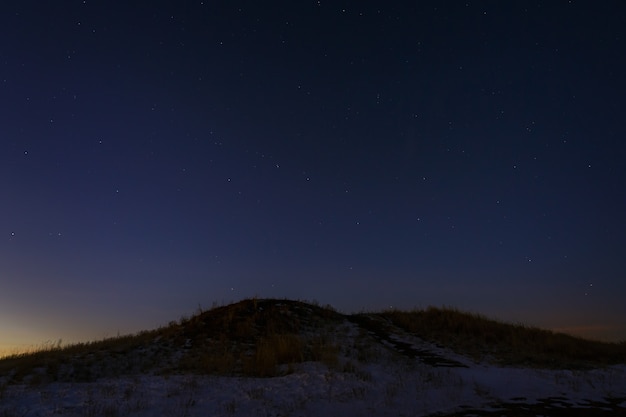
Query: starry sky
x=160, y=156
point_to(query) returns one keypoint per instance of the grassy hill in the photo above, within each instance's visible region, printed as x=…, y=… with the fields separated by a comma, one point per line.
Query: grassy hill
x=504, y=343
x=267, y=337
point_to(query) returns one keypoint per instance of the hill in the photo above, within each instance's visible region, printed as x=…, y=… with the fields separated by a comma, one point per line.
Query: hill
x=437, y=360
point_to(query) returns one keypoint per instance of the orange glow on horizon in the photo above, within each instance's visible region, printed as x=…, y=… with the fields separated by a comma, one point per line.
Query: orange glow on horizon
x=600, y=332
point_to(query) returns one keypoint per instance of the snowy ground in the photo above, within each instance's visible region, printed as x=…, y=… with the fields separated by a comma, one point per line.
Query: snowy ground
x=314, y=390
x=387, y=384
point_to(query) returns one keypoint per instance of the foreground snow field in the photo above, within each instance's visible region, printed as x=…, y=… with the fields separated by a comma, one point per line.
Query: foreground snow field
x=378, y=390
x=375, y=374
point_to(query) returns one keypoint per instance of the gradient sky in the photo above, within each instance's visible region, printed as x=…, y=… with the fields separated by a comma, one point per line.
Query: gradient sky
x=164, y=155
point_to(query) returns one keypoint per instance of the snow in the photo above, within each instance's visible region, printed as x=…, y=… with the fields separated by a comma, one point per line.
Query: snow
x=315, y=390
x=387, y=385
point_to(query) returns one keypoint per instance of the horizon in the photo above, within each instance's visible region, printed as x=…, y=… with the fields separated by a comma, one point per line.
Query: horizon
x=160, y=156
x=601, y=333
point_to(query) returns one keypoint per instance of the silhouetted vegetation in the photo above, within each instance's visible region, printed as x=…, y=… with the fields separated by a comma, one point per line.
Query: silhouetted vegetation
x=261, y=337
x=252, y=337
x=510, y=344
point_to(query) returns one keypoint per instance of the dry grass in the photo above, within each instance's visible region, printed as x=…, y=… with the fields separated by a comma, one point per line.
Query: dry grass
x=480, y=337
x=272, y=351
x=55, y=362
x=253, y=337
x=269, y=337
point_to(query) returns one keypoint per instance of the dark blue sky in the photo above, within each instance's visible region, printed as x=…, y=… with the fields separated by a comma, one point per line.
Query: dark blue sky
x=156, y=156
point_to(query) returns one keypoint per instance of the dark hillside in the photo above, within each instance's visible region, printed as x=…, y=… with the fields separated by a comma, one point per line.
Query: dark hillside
x=508, y=344
x=268, y=337
x=250, y=337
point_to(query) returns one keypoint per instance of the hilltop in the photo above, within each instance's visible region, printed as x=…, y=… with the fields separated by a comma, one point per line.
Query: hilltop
x=434, y=360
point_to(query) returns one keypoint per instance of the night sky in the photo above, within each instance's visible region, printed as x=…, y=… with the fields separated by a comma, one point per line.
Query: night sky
x=160, y=156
